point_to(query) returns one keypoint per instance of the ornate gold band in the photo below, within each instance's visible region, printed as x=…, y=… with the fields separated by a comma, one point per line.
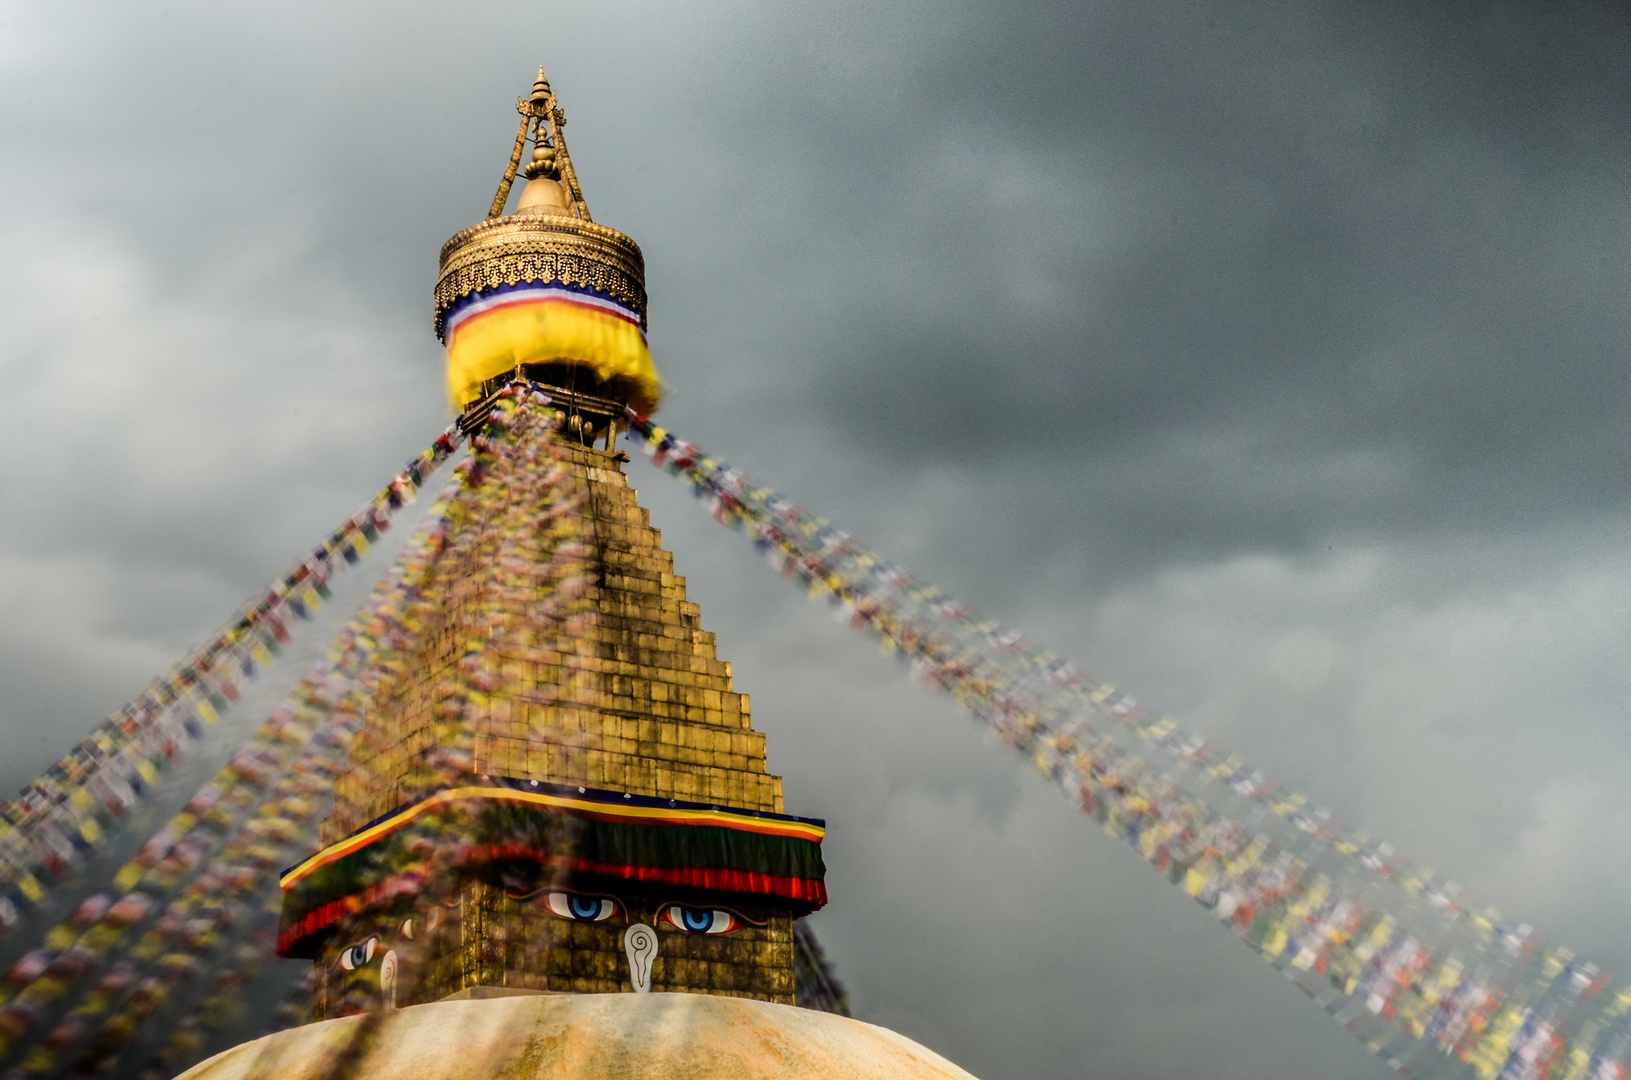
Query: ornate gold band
x=539, y=247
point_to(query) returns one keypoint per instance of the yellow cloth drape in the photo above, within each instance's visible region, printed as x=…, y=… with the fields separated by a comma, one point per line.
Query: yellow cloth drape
x=545, y=330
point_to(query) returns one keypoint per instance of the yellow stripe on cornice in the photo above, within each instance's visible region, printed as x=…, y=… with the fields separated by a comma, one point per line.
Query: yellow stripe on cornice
x=646, y=815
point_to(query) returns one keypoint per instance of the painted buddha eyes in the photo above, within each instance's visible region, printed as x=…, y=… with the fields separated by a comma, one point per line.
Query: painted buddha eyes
x=580, y=908
x=692, y=920
x=701, y=920
x=355, y=956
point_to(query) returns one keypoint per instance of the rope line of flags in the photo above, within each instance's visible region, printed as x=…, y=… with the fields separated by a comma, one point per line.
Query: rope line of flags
x=136, y=968
x=1397, y=954
x=137, y=977
x=73, y=806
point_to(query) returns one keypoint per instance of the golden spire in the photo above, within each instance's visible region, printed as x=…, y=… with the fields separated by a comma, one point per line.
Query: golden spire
x=548, y=242
x=552, y=185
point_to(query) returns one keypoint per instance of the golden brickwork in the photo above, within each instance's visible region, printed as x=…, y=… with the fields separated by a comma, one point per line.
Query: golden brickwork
x=592, y=669
x=632, y=698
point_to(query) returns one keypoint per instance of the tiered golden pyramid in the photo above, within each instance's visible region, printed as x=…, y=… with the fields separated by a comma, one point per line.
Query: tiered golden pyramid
x=626, y=694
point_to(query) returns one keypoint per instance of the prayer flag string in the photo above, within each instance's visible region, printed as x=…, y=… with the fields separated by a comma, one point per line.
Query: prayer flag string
x=74, y=804
x=1395, y=953
x=140, y=975
x=134, y=971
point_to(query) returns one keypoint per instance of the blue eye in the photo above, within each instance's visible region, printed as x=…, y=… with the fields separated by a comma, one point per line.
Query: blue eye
x=355, y=956
x=701, y=920
x=580, y=908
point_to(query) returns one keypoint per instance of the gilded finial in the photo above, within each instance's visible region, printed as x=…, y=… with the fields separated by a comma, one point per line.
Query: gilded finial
x=543, y=161
x=543, y=157
x=552, y=185
x=547, y=256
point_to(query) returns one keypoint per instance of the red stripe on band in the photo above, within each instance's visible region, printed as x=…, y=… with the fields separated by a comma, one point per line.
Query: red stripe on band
x=804, y=890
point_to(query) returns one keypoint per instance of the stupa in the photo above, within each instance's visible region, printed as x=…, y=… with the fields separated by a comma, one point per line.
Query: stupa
x=558, y=850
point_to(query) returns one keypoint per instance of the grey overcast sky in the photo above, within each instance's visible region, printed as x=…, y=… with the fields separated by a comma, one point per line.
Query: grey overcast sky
x=1269, y=359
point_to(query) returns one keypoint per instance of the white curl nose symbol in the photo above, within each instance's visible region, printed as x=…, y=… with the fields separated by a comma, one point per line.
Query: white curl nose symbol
x=640, y=943
x=387, y=979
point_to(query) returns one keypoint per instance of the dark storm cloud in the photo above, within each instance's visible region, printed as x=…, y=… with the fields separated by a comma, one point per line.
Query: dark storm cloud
x=1268, y=358
x=1294, y=239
